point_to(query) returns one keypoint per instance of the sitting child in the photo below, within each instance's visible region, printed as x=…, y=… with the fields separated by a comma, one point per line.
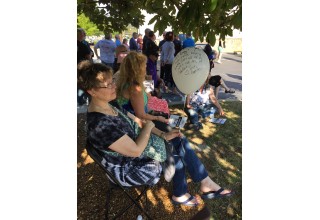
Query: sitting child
x=199, y=103
x=156, y=91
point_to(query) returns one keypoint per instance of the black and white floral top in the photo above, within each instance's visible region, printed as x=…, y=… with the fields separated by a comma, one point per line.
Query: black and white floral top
x=104, y=130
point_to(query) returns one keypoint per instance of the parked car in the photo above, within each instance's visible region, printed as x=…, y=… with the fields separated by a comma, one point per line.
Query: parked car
x=201, y=46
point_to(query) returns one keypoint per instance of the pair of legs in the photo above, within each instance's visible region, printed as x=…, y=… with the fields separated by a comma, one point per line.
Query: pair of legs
x=186, y=160
x=217, y=81
x=223, y=85
x=133, y=171
x=220, y=54
x=204, y=111
x=152, y=70
x=168, y=77
x=162, y=71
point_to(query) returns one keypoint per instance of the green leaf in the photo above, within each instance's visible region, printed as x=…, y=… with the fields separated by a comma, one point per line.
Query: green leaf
x=206, y=15
x=212, y=38
x=229, y=31
x=85, y=23
x=152, y=20
x=212, y=5
x=182, y=12
x=156, y=26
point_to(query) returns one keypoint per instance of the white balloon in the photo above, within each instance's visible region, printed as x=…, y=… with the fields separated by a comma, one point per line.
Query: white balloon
x=190, y=69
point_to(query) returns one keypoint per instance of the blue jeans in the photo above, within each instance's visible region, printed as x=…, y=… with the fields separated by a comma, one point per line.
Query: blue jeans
x=185, y=159
x=204, y=111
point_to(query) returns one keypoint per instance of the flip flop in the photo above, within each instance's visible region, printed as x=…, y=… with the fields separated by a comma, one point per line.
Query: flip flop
x=185, y=202
x=229, y=91
x=216, y=194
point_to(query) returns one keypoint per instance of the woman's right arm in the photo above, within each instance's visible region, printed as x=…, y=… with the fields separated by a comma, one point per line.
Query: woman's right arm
x=215, y=101
x=128, y=147
x=137, y=102
x=188, y=101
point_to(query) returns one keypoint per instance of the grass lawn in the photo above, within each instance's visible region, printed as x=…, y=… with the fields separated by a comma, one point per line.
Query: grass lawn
x=219, y=147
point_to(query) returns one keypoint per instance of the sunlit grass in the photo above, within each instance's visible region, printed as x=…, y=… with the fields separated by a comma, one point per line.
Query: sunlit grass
x=219, y=147
x=86, y=158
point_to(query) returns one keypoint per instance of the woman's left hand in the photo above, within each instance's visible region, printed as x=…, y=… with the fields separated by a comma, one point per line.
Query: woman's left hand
x=162, y=119
x=173, y=134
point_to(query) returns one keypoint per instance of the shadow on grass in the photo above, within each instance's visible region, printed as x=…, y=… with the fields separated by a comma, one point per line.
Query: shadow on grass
x=218, y=147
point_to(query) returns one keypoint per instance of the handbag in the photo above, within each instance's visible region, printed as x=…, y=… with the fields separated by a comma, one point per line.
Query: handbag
x=161, y=125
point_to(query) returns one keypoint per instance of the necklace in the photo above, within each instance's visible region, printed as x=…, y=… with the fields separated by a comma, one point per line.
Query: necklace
x=107, y=110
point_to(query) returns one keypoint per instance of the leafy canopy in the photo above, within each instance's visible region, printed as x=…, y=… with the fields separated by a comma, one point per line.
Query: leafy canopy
x=205, y=18
x=90, y=27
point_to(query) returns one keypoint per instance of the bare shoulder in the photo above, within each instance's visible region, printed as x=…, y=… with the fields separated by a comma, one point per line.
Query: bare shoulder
x=137, y=89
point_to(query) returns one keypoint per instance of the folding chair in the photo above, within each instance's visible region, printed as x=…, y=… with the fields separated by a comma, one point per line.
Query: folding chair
x=114, y=184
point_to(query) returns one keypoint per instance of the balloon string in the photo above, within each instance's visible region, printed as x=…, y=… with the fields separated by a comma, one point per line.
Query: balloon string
x=185, y=100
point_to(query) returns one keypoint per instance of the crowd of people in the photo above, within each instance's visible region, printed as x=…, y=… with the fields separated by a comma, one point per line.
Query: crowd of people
x=171, y=45
x=137, y=145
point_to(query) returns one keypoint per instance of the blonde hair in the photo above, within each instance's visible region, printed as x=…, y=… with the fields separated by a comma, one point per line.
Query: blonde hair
x=132, y=72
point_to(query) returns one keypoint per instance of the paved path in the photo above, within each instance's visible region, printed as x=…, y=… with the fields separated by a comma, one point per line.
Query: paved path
x=231, y=71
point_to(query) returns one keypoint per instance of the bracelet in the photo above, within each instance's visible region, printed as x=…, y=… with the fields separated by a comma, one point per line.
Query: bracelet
x=163, y=136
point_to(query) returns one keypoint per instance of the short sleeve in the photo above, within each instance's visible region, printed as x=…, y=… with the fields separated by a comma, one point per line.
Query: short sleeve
x=104, y=130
